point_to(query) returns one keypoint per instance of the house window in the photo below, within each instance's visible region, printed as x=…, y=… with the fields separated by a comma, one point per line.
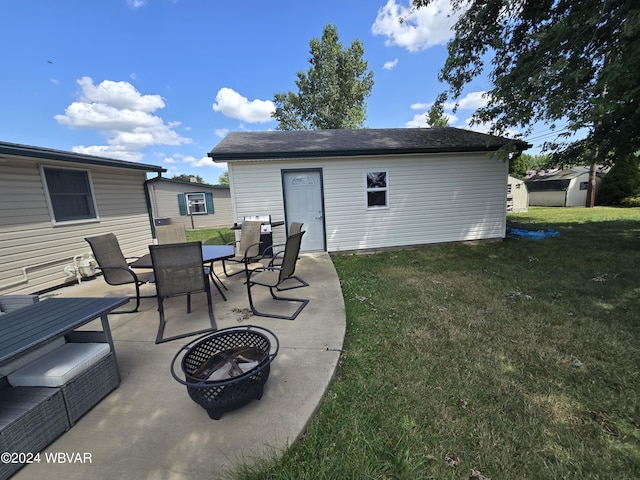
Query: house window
x=196, y=204
x=70, y=194
x=584, y=185
x=377, y=189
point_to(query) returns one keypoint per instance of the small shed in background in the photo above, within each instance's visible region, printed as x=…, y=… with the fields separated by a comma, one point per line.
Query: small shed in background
x=564, y=188
x=517, y=195
x=196, y=205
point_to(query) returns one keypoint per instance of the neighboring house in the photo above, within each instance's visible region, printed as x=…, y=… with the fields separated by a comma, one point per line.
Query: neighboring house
x=50, y=200
x=196, y=205
x=517, y=195
x=370, y=188
x=563, y=188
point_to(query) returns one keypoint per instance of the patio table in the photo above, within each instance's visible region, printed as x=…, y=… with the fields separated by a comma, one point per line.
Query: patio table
x=27, y=328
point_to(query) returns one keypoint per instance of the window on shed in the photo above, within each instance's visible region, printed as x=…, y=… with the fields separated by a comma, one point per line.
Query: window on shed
x=70, y=194
x=584, y=185
x=377, y=189
x=195, y=203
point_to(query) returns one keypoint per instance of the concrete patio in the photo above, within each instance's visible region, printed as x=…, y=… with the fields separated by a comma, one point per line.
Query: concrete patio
x=149, y=427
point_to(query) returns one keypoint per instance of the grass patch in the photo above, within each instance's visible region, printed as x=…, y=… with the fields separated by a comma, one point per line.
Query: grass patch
x=211, y=236
x=520, y=359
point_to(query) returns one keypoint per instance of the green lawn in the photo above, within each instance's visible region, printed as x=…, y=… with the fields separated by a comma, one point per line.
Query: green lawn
x=518, y=359
x=211, y=236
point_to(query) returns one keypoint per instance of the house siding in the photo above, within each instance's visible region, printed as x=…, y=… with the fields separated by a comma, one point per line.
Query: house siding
x=165, y=204
x=432, y=198
x=34, y=251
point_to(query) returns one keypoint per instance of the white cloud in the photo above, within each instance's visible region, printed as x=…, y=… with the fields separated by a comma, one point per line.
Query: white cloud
x=108, y=151
x=231, y=104
x=471, y=101
x=120, y=95
x=416, y=29
x=121, y=114
x=137, y=3
x=390, y=65
x=221, y=132
x=421, y=106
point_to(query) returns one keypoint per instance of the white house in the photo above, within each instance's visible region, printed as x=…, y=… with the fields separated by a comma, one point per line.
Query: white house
x=370, y=188
x=517, y=195
x=50, y=200
x=564, y=188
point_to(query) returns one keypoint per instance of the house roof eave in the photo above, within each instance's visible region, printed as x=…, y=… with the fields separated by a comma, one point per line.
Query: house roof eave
x=72, y=157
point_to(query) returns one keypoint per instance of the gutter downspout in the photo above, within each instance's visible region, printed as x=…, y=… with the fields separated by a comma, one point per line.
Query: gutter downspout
x=147, y=198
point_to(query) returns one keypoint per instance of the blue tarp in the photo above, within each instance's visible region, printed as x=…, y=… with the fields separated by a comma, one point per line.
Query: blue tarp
x=534, y=235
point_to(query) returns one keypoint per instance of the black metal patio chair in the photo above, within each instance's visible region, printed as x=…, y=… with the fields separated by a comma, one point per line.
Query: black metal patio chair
x=249, y=246
x=274, y=276
x=116, y=268
x=178, y=271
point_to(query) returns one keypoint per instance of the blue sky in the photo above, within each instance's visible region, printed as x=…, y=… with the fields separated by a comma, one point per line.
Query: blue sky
x=162, y=81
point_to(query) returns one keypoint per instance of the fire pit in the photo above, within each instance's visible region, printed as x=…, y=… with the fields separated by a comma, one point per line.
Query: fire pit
x=227, y=369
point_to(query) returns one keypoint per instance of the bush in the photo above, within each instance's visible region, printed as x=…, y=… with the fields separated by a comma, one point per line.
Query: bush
x=621, y=184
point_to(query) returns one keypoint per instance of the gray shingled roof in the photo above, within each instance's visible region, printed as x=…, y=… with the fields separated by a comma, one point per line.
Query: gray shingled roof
x=72, y=157
x=332, y=143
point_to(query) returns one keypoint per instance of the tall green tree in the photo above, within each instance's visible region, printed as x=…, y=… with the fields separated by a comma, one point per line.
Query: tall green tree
x=223, y=179
x=553, y=61
x=332, y=92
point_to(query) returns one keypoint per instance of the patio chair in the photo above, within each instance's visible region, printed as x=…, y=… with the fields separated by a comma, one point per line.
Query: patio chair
x=174, y=233
x=178, y=271
x=274, y=276
x=9, y=303
x=276, y=260
x=249, y=246
x=115, y=267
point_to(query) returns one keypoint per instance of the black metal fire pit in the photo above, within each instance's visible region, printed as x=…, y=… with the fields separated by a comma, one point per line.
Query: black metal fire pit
x=224, y=395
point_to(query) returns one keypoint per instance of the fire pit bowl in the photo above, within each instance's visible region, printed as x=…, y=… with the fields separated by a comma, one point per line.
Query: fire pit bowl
x=225, y=395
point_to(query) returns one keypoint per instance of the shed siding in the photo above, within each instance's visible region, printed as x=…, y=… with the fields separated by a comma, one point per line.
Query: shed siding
x=34, y=251
x=432, y=198
x=518, y=200
x=575, y=196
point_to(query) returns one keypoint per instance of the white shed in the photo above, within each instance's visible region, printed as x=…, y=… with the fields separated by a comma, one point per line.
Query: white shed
x=564, y=188
x=50, y=200
x=517, y=195
x=370, y=188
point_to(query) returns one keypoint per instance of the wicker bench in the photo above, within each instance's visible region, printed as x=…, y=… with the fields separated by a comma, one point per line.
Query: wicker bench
x=84, y=371
x=30, y=419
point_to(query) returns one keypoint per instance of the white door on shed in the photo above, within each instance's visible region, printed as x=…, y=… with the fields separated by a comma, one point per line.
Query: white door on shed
x=303, y=201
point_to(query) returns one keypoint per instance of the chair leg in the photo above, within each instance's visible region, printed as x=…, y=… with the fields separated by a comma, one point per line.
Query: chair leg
x=211, y=274
x=160, y=336
x=303, y=303
x=302, y=283
x=161, y=326
x=137, y=298
x=227, y=274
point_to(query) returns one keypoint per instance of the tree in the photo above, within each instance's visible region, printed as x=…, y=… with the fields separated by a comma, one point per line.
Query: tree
x=189, y=178
x=332, y=92
x=223, y=179
x=436, y=117
x=553, y=61
x=520, y=165
x=621, y=186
